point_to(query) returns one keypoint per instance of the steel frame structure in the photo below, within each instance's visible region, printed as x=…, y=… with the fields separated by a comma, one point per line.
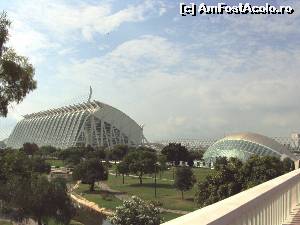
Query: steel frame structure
x=90, y=123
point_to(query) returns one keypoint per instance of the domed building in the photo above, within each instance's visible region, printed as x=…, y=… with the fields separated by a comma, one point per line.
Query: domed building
x=244, y=145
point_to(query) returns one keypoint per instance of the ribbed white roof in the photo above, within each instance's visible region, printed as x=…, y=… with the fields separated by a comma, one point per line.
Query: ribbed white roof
x=261, y=140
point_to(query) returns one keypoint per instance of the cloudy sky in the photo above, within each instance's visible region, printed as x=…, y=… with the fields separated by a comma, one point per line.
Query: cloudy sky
x=188, y=77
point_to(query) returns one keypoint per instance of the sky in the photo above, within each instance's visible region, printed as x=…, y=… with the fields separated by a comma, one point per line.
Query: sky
x=182, y=77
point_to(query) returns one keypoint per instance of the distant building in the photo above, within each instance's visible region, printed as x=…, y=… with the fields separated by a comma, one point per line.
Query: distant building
x=244, y=145
x=90, y=123
x=296, y=139
x=2, y=144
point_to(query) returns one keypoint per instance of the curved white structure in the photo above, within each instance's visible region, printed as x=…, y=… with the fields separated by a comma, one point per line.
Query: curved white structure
x=244, y=145
x=91, y=123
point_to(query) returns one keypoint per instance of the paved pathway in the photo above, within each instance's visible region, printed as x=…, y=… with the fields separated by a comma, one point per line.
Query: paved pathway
x=294, y=217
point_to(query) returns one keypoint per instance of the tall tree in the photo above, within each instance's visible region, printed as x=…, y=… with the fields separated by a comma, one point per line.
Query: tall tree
x=16, y=73
x=50, y=200
x=89, y=172
x=141, y=161
x=175, y=153
x=30, y=148
x=118, y=152
x=123, y=168
x=184, y=179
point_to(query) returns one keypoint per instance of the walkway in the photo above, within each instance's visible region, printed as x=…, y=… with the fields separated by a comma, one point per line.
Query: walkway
x=86, y=203
x=294, y=217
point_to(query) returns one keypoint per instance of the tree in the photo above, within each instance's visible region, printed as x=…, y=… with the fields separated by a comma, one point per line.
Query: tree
x=259, y=169
x=118, y=152
x=232, y=176
x=24, y=193
x=40, y=165
x=97, y=153
x=123, y=168
x=141, y=161
x=184, y=179
x=175, y=153
x=288, y=165
x=162, y=164
x=194, y=155
x=71, y=156
x=89, y=172
x=50, y=200
x=48, y=150
x=136, y=212
x=30, y=148
x=16, y=73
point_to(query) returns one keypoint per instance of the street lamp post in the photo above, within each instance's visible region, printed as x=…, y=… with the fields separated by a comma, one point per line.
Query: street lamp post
x=155, y=181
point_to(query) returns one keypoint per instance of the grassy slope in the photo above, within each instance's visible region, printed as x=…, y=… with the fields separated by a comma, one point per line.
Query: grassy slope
x=55, y=162
x=5, y=222
x=103, y=199
x=166, y=193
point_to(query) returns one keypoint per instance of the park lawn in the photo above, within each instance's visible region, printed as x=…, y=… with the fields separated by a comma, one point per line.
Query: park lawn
x=102, y=198
x=5, y=222
x=166, y=193
x=72, y=222
x=55, y=162
x=200, y=173
x=169, y=216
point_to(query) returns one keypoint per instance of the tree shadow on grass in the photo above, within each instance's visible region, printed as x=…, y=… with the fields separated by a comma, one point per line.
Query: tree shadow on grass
x=151, y=185
x=101, y=192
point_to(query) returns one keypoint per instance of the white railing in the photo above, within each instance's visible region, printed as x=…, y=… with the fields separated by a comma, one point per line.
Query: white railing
x=266, y=204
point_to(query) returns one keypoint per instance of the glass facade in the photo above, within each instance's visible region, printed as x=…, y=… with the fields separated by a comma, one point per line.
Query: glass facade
x=241, y=149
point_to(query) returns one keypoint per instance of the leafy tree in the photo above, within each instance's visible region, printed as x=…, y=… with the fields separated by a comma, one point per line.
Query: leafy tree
x=40, y=165
x=259, y=169
x=48, y=150
x=118, y=152
x=222, y=183
x=98, y=153
x=26, y=194
x=89, y=172
x=16, y=73
x=136, y=212
x=123, y=168
x=175, y=153
x=162, y=164
x=184, y=179
x=30, y=148
x=231, y=176
x=194, y=155
x=50, y=200
x=288, y=165
x=71, y=156
x=141, y=161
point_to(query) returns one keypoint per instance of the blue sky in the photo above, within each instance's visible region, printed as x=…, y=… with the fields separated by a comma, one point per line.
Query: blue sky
x=202, y=76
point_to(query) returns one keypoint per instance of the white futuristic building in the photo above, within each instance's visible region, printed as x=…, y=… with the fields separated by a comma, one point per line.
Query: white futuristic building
x=91, y=123
x=244, y=145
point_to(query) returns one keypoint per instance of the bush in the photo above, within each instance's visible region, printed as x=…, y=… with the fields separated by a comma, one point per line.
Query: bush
x=136, y=212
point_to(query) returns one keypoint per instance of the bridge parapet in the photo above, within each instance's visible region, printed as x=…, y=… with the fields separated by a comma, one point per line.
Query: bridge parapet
x=269, y=203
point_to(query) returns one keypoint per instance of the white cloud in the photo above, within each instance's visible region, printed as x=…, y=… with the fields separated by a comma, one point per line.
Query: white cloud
x=86, y=19
x=29, y=42
x=150, y=79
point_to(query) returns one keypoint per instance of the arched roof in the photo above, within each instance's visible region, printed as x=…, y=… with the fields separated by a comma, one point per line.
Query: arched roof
x=255, y=138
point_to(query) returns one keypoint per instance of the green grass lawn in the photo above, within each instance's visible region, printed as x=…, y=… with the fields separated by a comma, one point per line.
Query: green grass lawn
x=166, y=193
x=55, y=162
x=103, y=199
x=169, y=216
x=5, y=222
